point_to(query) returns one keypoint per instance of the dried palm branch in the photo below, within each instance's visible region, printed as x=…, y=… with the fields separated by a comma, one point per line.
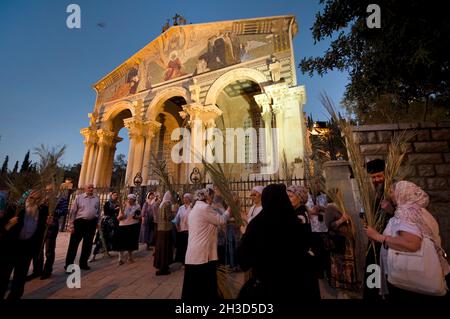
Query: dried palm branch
x=220, y=180
x=50, y=177
x=160, y=169
x=396, y=154
x=356, y=160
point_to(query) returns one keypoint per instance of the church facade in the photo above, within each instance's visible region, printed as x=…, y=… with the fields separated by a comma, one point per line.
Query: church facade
x=231, y=74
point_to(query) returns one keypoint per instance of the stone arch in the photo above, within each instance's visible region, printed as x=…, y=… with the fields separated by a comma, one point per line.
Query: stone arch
x=114, y=111
x=230, y=77
x=154, y=107
x=117, y=108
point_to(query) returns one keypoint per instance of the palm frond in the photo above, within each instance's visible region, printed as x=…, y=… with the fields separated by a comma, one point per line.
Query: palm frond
x=160, y=170
x=396, y=154
x=357, y=163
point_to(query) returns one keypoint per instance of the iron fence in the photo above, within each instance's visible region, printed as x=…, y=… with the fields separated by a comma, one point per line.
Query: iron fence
x=241, y=186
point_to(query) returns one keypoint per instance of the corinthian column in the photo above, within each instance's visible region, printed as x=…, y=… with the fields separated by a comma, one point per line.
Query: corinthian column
x=199, y=117
x=269, y=166
x=110, y=161
x=90, y=138
x=105, y=140
x=150, y=129
x=135, y=132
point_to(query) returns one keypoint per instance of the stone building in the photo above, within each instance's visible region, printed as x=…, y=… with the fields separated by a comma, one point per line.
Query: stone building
x=231, y=74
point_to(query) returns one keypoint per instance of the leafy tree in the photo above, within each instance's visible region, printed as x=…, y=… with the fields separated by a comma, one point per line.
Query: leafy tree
x=26, y=164
x=73, y=172
x=5, y=165
x=119, y=171
x=16, y=167
x=403, y=63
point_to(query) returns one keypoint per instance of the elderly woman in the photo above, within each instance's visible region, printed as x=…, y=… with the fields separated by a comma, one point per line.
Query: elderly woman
x=164, y=239
x=147, y=228
x=256, y=208
x=129, y=227
x=181, y=223
x=298, y=195
x=108, y=226
x=200, y=277
x=405, y=231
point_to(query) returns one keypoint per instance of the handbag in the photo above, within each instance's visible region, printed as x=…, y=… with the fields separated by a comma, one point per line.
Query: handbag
x=419, y=271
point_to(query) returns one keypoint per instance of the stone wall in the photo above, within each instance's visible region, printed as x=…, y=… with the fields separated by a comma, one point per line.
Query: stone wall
x=427, y=163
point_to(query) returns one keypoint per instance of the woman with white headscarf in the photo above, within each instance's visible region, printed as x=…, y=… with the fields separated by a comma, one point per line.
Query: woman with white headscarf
x=164, y=239
x=255, y=195
x=405, y=231
x=147, y=228
x=129, y=229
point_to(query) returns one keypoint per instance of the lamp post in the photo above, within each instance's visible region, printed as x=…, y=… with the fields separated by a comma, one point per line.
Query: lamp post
x=137, y=180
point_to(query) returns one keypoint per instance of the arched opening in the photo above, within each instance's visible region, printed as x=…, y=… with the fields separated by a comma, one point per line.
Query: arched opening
x=161, y=147
x=119, y=156
x=240, y=111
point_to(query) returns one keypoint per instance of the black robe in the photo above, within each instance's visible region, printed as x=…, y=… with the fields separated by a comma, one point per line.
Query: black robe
x=275, y=247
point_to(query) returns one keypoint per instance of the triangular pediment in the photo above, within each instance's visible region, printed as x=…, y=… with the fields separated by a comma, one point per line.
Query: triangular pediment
x=193, y=49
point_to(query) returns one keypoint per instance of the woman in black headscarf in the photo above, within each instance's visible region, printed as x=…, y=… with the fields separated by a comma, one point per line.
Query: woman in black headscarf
x=275, y=247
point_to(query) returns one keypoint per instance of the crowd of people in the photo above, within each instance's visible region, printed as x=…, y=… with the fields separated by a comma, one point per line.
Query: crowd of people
x=292, y=239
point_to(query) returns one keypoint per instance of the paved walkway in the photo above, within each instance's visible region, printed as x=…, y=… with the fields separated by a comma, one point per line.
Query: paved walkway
x=108, y=280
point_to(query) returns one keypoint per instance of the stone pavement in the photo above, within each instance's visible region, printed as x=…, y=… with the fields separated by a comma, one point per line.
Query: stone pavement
x=108, y=280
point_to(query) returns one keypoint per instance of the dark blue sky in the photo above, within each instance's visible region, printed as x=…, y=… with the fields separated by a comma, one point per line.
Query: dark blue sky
x=48, y=69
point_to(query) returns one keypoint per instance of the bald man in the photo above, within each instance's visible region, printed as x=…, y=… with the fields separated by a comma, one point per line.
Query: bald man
x=85, y=213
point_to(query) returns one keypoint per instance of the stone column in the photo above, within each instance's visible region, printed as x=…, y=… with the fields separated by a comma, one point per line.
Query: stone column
x=288, y=108
x=130, y=160
x=90, y=138
x=87, y=168
x=151, y=127
x=110, y=163
x=84, y=165
x=269, y=166
x=135, y=132
x=138, y=154
x=199, y=117
x=105, y=139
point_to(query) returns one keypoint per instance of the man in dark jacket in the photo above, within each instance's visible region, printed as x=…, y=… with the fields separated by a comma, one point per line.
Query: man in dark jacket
x=24, y=236
x=39, y=268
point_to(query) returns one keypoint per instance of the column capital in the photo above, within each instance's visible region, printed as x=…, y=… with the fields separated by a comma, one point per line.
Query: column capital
x=90, y=136
x=105, y=137
x=150, y=128
x=299, y=93
x=197, y=111
x=135, y=127
x=264, y=101
x=277, y=91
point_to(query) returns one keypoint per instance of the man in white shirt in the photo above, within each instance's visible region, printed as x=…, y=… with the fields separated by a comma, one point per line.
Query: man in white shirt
x=85, y=212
